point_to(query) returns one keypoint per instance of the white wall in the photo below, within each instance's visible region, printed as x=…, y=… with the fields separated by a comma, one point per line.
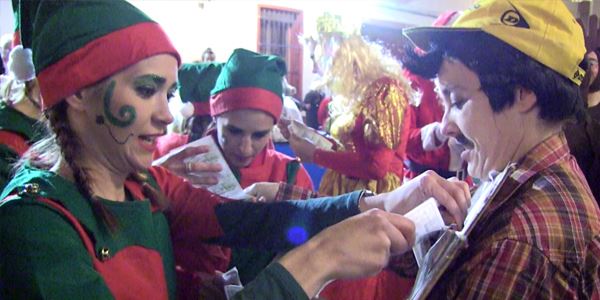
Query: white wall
x=6, y=17
x=193, y=27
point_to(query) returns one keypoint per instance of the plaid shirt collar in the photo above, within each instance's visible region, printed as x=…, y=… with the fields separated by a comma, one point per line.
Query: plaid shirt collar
x=545, y=154
x=549, y=152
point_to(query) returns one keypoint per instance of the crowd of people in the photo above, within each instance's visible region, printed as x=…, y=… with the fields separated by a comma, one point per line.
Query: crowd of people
x=499, y=101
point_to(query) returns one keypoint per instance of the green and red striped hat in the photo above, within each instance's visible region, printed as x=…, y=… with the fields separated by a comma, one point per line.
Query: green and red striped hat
x=76, y=44
x=196, y=80
x=249, y=81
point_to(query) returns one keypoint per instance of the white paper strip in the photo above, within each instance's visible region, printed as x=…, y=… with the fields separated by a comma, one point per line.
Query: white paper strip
x=228, y=185
x=427, y=218
x=302, y=131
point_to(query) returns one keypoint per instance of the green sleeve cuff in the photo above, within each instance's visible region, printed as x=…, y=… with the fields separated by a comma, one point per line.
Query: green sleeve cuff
x=274, y=283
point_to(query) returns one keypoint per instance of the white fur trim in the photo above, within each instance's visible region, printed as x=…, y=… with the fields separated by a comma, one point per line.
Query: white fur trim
x=186, y=110
x=20, y=64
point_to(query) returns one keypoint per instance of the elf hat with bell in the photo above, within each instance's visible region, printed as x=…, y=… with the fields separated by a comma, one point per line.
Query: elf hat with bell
x=196, y=80
x=76, y=44
x=249, y=80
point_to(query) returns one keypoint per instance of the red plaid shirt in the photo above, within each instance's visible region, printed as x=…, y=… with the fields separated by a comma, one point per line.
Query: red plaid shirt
x=539, y=239
x=292, y=192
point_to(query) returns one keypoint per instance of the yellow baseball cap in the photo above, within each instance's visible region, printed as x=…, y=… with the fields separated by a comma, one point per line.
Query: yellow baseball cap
x=544, y=30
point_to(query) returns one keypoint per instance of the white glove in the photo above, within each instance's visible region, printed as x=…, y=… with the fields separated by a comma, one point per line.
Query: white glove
x=432, y=136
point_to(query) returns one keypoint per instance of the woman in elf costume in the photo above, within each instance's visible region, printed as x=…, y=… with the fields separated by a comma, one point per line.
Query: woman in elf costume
x=19, y=105
x=19, y=110
x=86, y=216
x=246, y=103
x=369, y=118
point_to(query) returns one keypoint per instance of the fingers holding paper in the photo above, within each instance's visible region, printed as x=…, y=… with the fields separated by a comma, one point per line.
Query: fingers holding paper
x=196, y=172
x=452, y=195
x=283, y=127
x=356, y=247
x=202, y=173
x=369, y=238
x=302, y=147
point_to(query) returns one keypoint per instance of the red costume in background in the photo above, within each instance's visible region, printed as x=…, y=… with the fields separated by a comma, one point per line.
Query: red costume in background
x=424, y=151
x=168, y=142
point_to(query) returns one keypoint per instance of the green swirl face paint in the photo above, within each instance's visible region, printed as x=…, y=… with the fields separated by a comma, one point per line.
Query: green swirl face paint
x=126, y=114
x=146, y=87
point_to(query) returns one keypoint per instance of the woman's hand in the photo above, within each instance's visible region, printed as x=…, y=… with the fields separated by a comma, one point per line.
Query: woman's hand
x=452, y=194
x=197, y=173
x=283, y=127
x=357, y=247
x=262, y=191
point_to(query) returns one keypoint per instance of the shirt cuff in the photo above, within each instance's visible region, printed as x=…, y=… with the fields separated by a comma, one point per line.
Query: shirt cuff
x=291, y=192
x=432, y=137
x=286, y=281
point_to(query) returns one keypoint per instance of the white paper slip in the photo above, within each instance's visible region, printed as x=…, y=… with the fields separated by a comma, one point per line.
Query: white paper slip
x=228, y=185
x=427, y=218
x=231, y=283
x=304, y=132
x=482, y=195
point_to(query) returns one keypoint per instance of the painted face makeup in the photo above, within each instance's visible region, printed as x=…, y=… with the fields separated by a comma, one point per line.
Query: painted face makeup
x=126, y=112
x=145, y=86
x=125, y=117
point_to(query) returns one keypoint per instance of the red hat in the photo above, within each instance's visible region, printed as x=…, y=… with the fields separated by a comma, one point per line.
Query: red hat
x=79, y=43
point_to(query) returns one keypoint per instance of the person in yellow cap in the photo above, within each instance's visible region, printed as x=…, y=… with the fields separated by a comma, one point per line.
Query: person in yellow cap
x=508, y=73
x=87, y=215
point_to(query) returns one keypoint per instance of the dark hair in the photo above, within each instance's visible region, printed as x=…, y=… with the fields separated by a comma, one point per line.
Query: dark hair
x=61, y=141
x=208, y=51
x=501, y=69
x=594, y=85
x=314, y=97
x=197, y=126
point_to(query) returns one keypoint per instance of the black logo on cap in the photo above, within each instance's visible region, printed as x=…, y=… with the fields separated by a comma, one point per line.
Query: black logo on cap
x=578, y=76
x=512, y=17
